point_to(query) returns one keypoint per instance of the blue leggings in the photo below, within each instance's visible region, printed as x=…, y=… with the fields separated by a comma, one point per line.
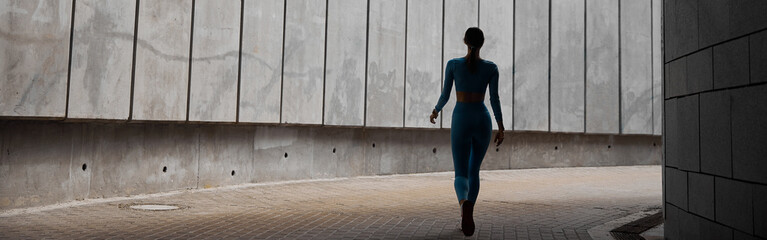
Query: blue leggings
x=470, y=134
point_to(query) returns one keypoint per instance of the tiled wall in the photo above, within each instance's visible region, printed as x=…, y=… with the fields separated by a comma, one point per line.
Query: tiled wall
x=715, y=119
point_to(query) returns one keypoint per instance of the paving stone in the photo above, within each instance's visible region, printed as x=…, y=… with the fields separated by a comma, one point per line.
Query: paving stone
x=749, y=133
x=513, y=204
x=701, y=194
x=676, y=187
x=734, y=206
x=689, y=133
x=700, y=72
x=731, y=63
x=715, y=133
x=758, y=47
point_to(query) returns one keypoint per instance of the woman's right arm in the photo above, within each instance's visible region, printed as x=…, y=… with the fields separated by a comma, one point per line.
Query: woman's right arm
x=447, y=87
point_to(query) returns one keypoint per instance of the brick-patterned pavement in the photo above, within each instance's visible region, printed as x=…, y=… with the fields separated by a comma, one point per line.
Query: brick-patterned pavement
x=513, y=204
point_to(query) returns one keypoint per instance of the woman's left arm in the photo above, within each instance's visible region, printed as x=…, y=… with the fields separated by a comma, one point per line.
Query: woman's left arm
x=495, y=103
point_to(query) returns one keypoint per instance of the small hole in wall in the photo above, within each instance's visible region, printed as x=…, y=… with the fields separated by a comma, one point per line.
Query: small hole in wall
x=232, y=172
x=334, y=150
x=608, y=146
x=653, y=144
x=496, y=149
x=556, y=147
x=286, y=155
x=374, y=144
x=434, y=150
x=85, y=166
x=164, y=169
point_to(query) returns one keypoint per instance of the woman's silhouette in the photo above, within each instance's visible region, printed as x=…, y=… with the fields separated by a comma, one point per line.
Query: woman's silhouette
x=471, y=128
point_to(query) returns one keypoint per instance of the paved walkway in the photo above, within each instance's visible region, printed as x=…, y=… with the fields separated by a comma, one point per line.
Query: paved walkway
x=513, y=204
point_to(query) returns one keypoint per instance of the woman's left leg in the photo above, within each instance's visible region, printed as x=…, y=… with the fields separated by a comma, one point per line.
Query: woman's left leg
x=479, y=144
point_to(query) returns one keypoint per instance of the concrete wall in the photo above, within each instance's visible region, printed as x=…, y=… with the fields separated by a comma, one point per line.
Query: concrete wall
x=571, y=66
x=46, y=162
x=715, y=110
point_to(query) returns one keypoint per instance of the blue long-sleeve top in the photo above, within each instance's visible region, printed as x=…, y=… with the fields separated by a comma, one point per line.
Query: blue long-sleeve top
x=466, y=81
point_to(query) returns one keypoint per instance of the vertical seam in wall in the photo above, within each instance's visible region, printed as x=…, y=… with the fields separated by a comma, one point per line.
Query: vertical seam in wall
x=282, y=63
x=239, y=63
x=748, y=64
x=189, y=82
x=698, y=160
x=585, y=60
x=197, y=130
x=549, y=72
x=513, y=63
x=442, y=72
x=325, y=62
x=367, y=52
x=620, y=74
x=404, y=78
x=478, y=12
x=69, y=64
x=133, y=63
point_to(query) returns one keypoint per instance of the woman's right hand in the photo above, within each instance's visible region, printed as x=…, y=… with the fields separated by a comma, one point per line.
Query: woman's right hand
x=434, y=115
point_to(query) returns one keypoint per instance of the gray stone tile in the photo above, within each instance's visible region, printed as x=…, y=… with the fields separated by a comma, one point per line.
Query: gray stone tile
x=731, y=63
x=690, y=226
x=758, y=54
x=749, y=133
x=700, y=72
x=215, y=57
x=701, y=198
x=714, y=17
x=676, y=187
x=760, y=210
x=734, y=206
x=102, y=58
x=531, y=60
x=710, y=230
x=304, y=61
x=747, y=16
x=497, y=22
x=689, y=133
x=670, y=40
x=672, y=225
x=738, y=235
x=676, y=83
x=636, y=67
x=459, y=15
x=424, y=62
x=568, y=66
x=602, y=74
x=162, y=60
x=261, y=63
x=671, y=133
x=35, y=58
x=345, y=63
x=716, y=133
x=386, y=68
x=686, y=27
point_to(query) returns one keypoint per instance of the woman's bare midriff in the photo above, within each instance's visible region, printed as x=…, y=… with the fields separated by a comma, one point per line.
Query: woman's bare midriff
x=469, y=97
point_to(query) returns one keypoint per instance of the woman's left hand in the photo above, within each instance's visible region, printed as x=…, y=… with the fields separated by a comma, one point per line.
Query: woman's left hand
x=498, y=138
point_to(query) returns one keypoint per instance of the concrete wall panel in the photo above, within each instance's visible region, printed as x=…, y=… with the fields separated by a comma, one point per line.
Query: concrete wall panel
x=226, y=156
x=261, y=67
x=345, y=66
x=567, y=65
x=424, y=62
x=102, y=55
x=269, y=154
x=386, y=68
x=459, y=15
x=602, y=77
x=304, y=61
x=636, y=67
x=388, y=152
x=497, y=22
x=531, y=59
x=162, y=60
x=35, y=43
x=657, y=67
x=215, y=57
